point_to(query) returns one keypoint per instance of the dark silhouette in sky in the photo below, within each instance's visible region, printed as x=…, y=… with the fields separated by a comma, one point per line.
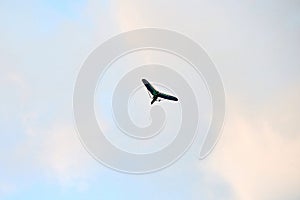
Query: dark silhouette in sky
x=156, y=94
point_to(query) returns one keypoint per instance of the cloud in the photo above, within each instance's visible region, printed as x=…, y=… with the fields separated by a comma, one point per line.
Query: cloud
x=255, y=47
x=63, y=158
x=52, y=154
x=258, y=159
x=6, y=189
x=41, y=53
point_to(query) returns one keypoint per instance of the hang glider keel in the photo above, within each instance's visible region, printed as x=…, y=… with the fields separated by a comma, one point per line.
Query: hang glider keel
x=156, y=95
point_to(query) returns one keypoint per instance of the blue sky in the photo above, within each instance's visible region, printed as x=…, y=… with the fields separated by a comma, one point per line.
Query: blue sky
x=255, y=46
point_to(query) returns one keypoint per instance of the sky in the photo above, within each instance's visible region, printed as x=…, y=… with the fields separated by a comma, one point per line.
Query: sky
x=255, y=46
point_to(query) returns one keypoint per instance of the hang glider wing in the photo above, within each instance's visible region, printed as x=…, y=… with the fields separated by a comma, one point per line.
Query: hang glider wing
x=166, y=96
x=149, y=87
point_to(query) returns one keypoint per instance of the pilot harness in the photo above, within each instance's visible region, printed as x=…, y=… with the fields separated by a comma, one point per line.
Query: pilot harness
x=151, y=96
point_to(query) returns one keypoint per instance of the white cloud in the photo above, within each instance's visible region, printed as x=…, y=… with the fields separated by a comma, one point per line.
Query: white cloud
x=253, y=45
x=54, y=154
x=6, y=188
x=63, y=157
x=256, y=158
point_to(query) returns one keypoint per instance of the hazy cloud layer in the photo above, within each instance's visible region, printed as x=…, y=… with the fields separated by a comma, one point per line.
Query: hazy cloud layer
x=255, y=46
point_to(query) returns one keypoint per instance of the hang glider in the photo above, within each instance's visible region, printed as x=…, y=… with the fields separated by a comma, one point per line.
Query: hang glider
x=156, y=94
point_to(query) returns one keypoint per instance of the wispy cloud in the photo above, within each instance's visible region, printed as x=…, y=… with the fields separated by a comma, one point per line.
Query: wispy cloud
x=255, y=46
x=6, y=188
x=63, y=158
x=54, y=154
x=258, y=158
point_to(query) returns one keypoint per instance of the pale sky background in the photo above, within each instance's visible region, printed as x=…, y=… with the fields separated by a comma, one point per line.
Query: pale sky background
x=255, y=46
